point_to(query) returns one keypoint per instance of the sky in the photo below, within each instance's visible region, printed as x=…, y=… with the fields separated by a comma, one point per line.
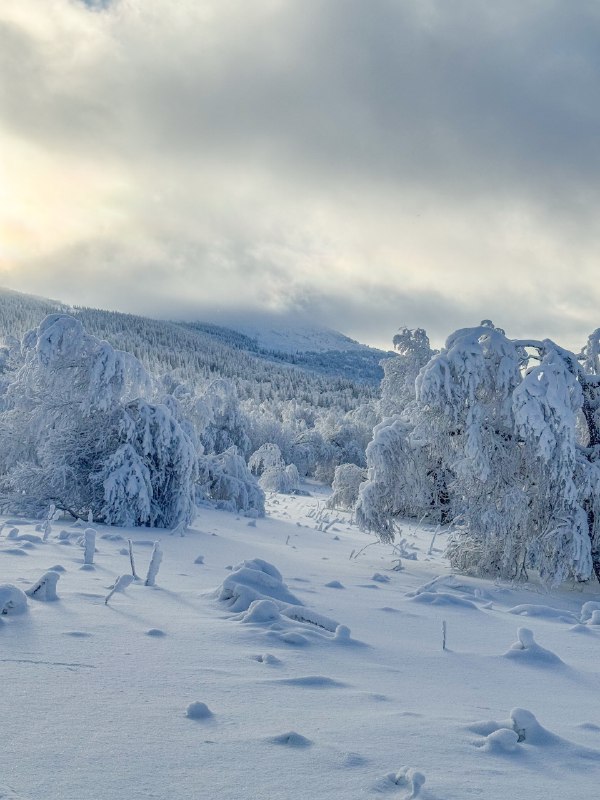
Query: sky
x=364, y=164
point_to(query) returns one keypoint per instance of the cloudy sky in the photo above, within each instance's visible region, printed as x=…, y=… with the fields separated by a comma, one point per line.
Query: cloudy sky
x=368, y=163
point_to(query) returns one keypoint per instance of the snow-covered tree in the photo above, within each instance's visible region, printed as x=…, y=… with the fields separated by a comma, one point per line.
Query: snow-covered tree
x=400, y=481
x=465, y=418
x=268, y=466
x=267, y=457
x=346, y=483
x=72, y=434
x=226, y=425
x=400, y=372
x=504, y=436
x=230, y=484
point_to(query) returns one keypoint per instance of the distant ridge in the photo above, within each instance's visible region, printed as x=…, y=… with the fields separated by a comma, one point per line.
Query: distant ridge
x=267, y=365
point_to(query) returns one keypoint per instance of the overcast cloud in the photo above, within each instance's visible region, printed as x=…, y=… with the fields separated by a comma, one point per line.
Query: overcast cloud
x=369, y=164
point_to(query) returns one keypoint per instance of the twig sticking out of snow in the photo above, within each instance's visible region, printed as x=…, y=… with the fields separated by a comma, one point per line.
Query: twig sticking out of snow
x=155, y=561
x=444, y=631
x=89, y=545
x=45, y=587
x=132, y=561
x=47, y=526
x=433, y=538
x=122, y=582
x=179, y=529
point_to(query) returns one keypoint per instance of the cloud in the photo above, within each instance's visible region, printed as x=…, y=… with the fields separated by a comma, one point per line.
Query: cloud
x=430, y=162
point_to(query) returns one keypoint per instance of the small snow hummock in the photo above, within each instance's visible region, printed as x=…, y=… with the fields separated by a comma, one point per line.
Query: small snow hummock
x=266, y=658
x=522, y=727
x=342, y=634
x=254, y=580
x=379, y=578
x=157, y=632
x=45, y=587
x=501, y=741
x=291, y=739
x=527, y=649
x=261, y=611
x=407, y=778
x=12, y=599
x=198, y=710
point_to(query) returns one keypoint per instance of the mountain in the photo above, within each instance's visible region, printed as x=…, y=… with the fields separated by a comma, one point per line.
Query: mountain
x=309, y=365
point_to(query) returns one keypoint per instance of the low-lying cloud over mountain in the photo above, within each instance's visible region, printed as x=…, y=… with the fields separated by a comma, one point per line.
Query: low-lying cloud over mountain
x=368, y=164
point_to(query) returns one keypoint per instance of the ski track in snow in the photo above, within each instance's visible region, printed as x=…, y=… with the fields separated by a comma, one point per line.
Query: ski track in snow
x=301, y=691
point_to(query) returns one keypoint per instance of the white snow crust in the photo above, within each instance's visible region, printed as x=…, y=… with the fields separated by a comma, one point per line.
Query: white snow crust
x=319, y=682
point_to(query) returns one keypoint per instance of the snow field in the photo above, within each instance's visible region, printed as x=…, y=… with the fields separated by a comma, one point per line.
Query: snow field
x=365, y=705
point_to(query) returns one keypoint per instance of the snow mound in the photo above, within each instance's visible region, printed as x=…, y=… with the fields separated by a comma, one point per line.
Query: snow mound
x=256, y=590
x=12, y=599
x=501, y=741
x=406, y=778
x=587, y=611
x=44, y=588
x=335, y=585
x=254, y=580
x=261, y=611
x=156, y=632
x=306, y=615
x=312, y=682
x=443, y=599
x=266, y=658
x=380, y=578
x=32, y=538
x=544, y=612
x=527, y=650
x=290, y=739
x=198, y=710
x=523, y=725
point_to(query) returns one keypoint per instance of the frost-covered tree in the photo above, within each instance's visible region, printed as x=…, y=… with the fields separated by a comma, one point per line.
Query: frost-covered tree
x=400, y=481
x=72, y=434
x=267, y=457
x=228, y=482
x=400, y=372
x=226, y=424
x=509, y=429
x=268, y=466
x=465, y=418
x=346, y=483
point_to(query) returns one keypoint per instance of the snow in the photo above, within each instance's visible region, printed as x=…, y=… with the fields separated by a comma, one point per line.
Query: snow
x=297, y=338
x=311, y=691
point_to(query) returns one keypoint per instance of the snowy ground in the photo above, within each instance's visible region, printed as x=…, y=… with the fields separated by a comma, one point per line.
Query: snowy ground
x=92, y=706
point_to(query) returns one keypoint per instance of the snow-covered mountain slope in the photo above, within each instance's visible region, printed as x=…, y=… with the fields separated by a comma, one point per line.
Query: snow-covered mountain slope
x=334, y=684
x=204, y=351
x=299, y=338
